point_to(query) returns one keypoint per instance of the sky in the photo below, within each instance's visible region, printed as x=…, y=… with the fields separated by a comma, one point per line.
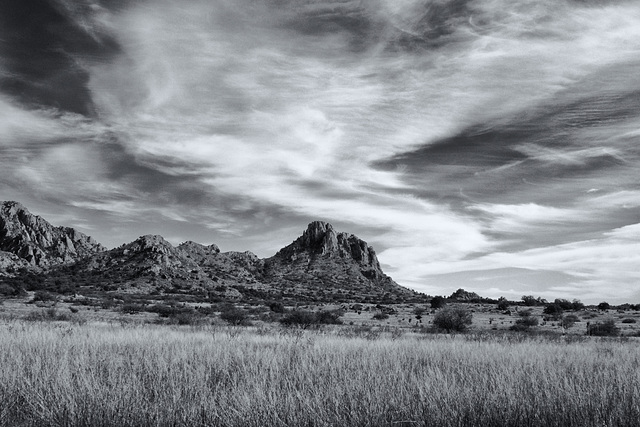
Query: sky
x=490, y=145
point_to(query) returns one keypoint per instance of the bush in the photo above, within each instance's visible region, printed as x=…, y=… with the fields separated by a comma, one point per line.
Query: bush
x=604, y=306
x=607, y=328
x=276, y=307
x=525, y=322
x=554, y=310
x=381, y=316
x=438, y=302
x=569, y=320
x=44, y=296
x=453, y=319
x=628, y=320
x=329, y=317
x=132, y=308
x=299, y=318
x=235, y=316
x=503, y=304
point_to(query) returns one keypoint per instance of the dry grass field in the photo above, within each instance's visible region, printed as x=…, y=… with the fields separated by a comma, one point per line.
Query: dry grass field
x=101, y=374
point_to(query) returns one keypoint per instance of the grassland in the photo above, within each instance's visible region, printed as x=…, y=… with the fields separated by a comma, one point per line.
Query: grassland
x=97, y=374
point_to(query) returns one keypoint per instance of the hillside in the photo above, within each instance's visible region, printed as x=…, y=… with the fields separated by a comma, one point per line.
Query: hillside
x=320, y=265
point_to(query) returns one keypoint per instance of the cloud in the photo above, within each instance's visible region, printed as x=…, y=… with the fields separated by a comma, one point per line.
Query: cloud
x=442, y=131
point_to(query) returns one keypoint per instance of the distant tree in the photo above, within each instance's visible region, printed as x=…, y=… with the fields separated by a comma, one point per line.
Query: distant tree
x=453, y=319
x=529, y=300
x=576, y=304
x=503, y=304
x=299, y=318
x=234, y=316
x=438, y=302
x=563, y=304
x=569, y=320
x=604, y=306
x=276, y=307
x=554, y=311
x=524, y=323
x=607, y=328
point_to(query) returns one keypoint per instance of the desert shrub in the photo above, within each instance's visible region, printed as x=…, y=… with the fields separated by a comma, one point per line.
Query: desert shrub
x=577, y=305
x=503, y=304
x=380, y=316
x=628, y=320
x=554, y=311
x=304, y=318
x=235, y=316
x=438, y=302
x=132, y=308
x=563, y=304
x=44, y=296
x=524, y=323
x=49, y=315
x=329, y=317
x=453, y=319
x=9, y=291
x=299, y=318
x=190, y=317
x=276, y=307
x=607, y=328
x=569, y=320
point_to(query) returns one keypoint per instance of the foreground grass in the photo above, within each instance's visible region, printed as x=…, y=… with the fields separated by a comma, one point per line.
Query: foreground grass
x=89, y=375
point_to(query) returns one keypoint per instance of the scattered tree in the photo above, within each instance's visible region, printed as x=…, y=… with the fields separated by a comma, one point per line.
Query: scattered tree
x=568, y=321
x=604, y=306
x=235, y=316
x=438, y=302
x=453, y=319
x=503, y=304
x=607, y=328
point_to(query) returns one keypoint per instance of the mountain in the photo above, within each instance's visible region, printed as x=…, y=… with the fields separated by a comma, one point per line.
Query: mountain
x=327, y=261
x=320, y=265
x=37, y=243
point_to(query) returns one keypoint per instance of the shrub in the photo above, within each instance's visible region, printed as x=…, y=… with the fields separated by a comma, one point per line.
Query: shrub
x=299, y=318
x=554, y=310
x=131, y=308
x=380, y=316
x=503, y=304
x=607, y=328
x=453, y=319
x=235, y=316
x=524, y=323
x=329, y=317
x=628, y=320
x=438, y=302
x=569, y=320
x=276, y=307
x=44, y=296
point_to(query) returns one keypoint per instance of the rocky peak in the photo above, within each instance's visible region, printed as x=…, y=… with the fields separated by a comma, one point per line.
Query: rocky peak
x=321, y=239
x=34, y=240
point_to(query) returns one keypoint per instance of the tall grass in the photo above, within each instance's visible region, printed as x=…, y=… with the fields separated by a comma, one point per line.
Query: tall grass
x=89, y=375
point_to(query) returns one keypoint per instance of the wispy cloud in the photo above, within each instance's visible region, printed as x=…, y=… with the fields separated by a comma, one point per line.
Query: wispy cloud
x=441, y=132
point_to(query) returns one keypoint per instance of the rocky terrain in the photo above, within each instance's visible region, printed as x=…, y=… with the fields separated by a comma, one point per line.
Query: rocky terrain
x=36, y=242
x=321, y=265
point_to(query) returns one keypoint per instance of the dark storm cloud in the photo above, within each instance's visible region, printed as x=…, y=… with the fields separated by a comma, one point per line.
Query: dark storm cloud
x=40, y=47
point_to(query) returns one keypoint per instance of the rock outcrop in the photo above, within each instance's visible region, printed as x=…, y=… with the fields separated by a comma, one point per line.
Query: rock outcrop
x=322, y=264
x=38, y=243
x=328, y=260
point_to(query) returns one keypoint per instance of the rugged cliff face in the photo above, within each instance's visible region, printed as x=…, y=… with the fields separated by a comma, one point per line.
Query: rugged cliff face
x=319, y=265
x=327, y=260
x=38, y=243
